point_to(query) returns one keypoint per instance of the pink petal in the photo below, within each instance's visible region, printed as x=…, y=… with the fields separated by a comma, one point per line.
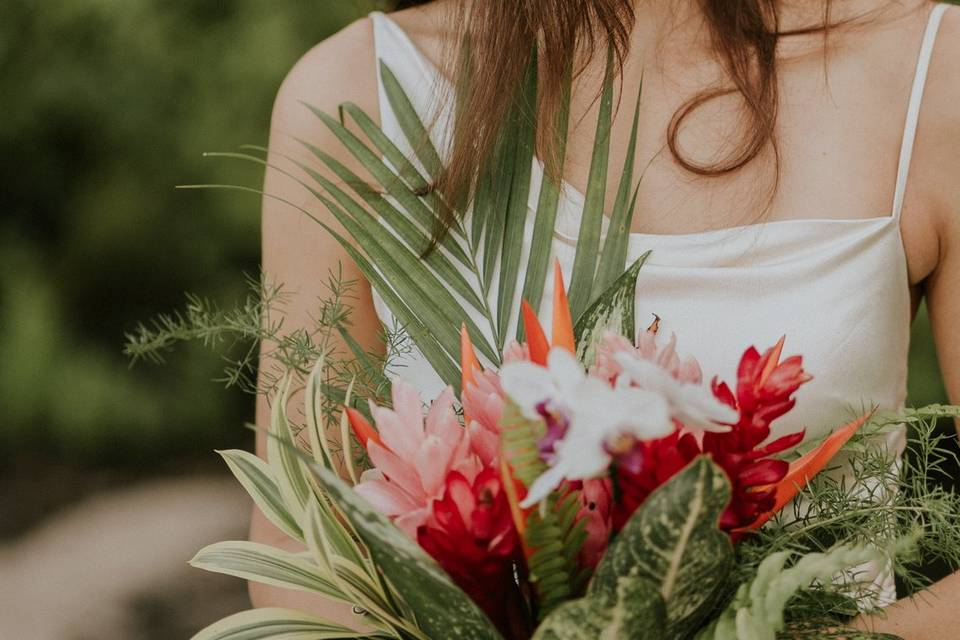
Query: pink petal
x=386, y=497
x=433, y=461
x=484, y=443
x=461, y=493
x=398, y=471
x=410, y=522
x=407, y=405
x=442, y=420
x=401, y=437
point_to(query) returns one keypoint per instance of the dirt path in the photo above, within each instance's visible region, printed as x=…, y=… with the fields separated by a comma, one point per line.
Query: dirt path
x=115, y=566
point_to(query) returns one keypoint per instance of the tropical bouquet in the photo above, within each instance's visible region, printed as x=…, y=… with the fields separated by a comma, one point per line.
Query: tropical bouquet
x=572, y=498
x=589, y=485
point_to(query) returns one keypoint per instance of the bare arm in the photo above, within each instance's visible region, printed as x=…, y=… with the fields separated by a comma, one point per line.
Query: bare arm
x=297, y=252
x=934, y=614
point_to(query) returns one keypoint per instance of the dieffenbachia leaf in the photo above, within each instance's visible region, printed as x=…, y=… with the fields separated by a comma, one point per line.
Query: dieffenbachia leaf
x=441, y=608
x=613, y=311
x=673, y=542
x=634, y=610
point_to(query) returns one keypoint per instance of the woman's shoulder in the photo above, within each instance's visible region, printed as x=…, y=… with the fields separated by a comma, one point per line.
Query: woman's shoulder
x=931, y=223
x=339, y=69
x=342, y=67
x=938, y=137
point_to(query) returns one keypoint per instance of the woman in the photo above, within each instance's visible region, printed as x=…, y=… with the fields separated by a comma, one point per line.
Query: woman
x=767, y=207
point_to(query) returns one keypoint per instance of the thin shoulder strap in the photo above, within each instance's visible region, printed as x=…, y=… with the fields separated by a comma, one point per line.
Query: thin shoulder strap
x=913, y=108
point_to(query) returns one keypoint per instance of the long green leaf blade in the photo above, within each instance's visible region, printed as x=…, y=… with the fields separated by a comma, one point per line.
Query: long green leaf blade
x=524, y=116
x=614, y=255
x=407, y=273
x=591, y=222
x=410, y=122
x=258, y=480
x=268, y=565
x=408, y=232
x=278, y=624
x=387, y=178
x=538, y=263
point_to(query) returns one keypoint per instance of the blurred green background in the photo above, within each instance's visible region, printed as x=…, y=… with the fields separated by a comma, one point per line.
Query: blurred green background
x=107, y=105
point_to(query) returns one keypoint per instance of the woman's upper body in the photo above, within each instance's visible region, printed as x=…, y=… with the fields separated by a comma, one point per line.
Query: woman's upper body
x=841, y=259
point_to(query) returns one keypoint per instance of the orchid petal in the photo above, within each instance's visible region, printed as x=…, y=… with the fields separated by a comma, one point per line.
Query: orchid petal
x=528, y=385
x=543, y=486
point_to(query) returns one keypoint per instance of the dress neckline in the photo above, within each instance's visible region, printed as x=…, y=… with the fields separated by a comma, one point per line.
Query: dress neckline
x=576, y=198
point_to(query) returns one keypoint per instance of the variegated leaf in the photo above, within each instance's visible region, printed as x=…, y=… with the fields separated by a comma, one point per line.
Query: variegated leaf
x=442, y=609
x=613, y=311
x=268, y=565
x=258, y=479
x=673, y=541
x=278, y=624
x=636, y=610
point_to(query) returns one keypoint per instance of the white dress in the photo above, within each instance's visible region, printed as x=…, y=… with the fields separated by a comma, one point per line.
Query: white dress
x=837, y=288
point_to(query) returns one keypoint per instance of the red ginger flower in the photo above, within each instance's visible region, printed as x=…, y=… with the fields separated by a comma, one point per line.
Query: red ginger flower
x=765, y=388
x=648, y=465
x=470, y=533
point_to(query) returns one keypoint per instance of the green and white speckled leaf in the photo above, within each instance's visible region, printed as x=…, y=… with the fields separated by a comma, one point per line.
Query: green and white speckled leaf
x=635, y=611
x=442, y=609
x=673, y=541
x=613, y=311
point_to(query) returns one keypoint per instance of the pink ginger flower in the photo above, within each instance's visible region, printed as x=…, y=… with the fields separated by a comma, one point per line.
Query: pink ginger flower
x=515, y=352
x=608, y=368
x=483, y=402
x=415, y=457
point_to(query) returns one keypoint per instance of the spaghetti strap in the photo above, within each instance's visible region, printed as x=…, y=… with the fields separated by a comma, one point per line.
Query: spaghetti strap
x=913, y=108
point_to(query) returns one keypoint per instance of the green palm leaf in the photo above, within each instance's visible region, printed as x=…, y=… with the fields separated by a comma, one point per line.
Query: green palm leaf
x=538, y=263
x=614, y=256
x=520, y=167
x=591, y=222
x=410, y=122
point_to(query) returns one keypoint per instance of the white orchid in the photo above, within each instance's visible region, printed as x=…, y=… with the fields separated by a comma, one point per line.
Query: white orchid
x=692, y=404
x=597, y=416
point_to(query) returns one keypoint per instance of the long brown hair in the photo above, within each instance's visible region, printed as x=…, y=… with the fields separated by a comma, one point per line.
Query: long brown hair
x=502, y=35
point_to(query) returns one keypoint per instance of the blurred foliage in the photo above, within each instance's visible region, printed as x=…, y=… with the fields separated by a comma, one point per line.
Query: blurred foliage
x=109, y=104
